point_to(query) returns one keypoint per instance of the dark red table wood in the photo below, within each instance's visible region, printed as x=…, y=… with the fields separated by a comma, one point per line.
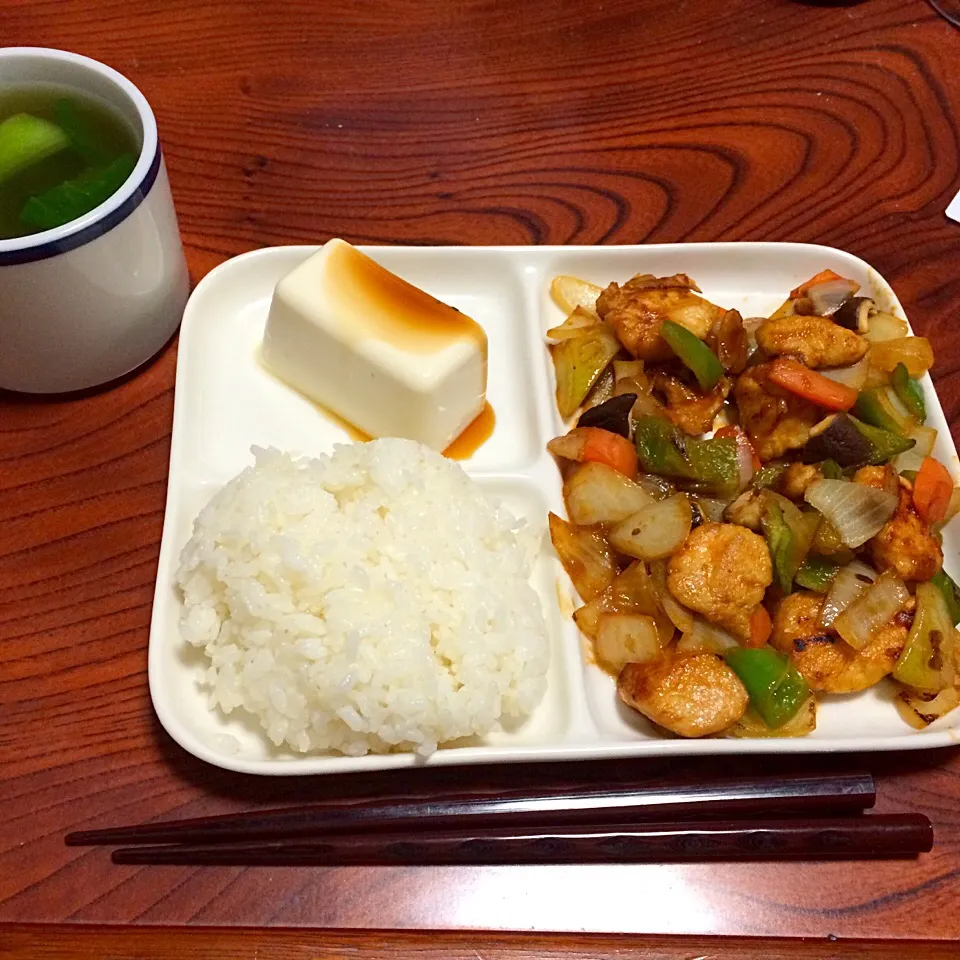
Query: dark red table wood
x=480, y=122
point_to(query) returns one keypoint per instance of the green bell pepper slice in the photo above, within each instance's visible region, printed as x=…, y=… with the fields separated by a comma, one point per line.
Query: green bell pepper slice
x=831, y=470
x=951, y=594
x=816, y=574
x=779, y=541
x=789, y=533
x=768, y=475
x=874, y=407
x=885, y=444
x=693, y=353
x=775, y=687
x=929, y=641
x=909, y=391
x=711, y=465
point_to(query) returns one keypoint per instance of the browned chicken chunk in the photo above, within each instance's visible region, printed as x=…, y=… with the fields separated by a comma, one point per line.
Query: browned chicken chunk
x=905, y=544
x=728, y=340
x=692, y=696
x=637, y=309
x=776, y=421
x=721, y=572
x=881, y=478
x=796, y=478
x=817, y=341
x=690, y=411
x=826, y=661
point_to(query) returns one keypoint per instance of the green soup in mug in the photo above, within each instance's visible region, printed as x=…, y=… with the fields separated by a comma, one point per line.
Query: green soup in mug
x=62, y=153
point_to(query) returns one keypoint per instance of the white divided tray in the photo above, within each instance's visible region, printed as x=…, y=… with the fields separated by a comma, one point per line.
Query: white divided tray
x=226, y=402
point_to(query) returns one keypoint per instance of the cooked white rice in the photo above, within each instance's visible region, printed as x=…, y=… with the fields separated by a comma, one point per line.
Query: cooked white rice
x=370, y=600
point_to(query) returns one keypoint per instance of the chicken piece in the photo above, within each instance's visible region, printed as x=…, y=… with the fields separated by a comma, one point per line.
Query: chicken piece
x=905, y=543
x=728, y=340
x=636, y=312
x=721, y=571
x=881, y=478
x=796, y=478
x=747, y=510
x=827, y=662
x=692, y=696
x=816, y=341
x=690, y=411
x=776, y=421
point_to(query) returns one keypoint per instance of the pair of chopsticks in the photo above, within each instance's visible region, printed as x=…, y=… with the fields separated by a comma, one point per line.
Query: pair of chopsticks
x=799, y=817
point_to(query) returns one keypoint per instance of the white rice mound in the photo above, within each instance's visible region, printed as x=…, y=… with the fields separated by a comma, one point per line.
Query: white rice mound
x=372, y=600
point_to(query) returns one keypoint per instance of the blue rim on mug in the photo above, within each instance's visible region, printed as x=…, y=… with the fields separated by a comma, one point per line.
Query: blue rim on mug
x=116, y=208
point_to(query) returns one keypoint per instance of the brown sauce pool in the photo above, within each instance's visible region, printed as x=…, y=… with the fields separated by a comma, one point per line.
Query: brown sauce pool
x=473, y=437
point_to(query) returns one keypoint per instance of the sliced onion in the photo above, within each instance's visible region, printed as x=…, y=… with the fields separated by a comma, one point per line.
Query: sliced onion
x=915, y=353
x=679, y=615
x=658, y=487
x=596, y=493
x=655, y=531
x=848, y=584
x=647, y=405
x=624, y=638
x=585, y=555
x=570, y=446
x=920, y=710
x=953, y=507
x=911, y=459
x=856, y=510
x=576, y=325
x=854, y=376
x=628, y=369
x=750, y=325
x=885, y=326
x=571, y=292
x=873, y=609
x=704, y=637
x=711, y=508
x=751, y=724
x=629, y=377
x=827, y=296
x=744, y=461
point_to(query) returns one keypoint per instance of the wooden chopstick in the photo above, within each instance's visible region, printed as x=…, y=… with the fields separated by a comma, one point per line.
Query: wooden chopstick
x=757, y=797
x=891, y=835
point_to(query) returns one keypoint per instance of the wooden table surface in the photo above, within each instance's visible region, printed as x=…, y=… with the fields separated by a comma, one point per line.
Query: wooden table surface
x=457, y=122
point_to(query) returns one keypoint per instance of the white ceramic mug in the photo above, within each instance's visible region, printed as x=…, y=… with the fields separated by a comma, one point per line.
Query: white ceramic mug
x=89, y=301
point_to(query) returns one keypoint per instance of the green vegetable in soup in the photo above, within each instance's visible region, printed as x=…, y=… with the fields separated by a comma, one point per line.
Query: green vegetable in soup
x=26, y=140
x=74, y=198
x=82, y=137
x=62, y=153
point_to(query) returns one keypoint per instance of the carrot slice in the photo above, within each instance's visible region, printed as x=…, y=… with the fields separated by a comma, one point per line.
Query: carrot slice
x=804, y=382
x=760, y=627
x=822, y=277
x=602, y=446
x=932, y=490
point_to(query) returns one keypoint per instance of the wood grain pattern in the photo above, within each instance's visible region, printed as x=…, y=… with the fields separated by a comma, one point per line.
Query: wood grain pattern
x=472, y=121
x=27, y=942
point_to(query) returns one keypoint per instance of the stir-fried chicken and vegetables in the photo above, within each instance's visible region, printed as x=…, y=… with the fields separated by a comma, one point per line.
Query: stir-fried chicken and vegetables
x=754, y=511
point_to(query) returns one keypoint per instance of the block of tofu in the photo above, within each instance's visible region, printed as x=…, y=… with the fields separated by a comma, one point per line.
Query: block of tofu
x=376, y=350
